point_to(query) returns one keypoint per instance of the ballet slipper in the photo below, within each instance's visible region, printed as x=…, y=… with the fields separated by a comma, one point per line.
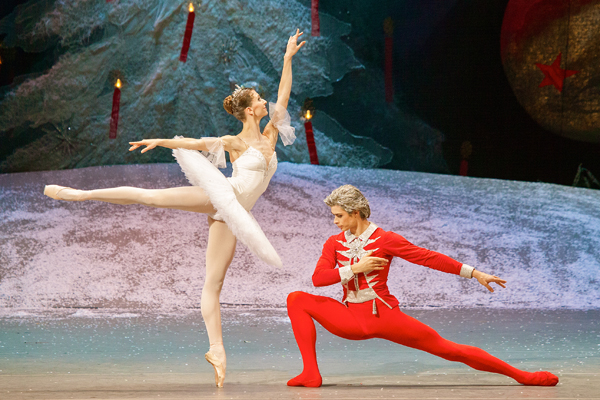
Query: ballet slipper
x=54, y=192
x=540, y=378
x=306, y=381
x=218, y=366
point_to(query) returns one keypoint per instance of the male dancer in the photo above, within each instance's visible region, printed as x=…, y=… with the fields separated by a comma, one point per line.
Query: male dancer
x=359, y=259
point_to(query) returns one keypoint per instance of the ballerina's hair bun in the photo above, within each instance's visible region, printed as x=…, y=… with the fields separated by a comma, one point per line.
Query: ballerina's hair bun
x=240, y=99
x=228, y=104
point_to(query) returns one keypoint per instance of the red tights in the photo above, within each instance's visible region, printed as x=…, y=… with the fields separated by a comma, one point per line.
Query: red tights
x=357, y=322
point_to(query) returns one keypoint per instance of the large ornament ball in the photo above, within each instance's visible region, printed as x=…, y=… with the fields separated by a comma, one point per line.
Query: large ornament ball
x=551, y=55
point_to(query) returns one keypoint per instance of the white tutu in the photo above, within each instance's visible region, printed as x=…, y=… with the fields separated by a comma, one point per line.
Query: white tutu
x=201, y=172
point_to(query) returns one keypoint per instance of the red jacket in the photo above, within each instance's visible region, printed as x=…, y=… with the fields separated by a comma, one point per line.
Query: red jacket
x=347, y=249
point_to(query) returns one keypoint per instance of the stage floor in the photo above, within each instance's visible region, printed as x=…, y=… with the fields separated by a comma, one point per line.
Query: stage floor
x=129, y=354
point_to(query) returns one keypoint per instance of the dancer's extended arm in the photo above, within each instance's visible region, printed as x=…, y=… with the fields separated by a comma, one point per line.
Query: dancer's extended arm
x=400, y=247
x=183, y=143
x=285, y=84
x=204, y=144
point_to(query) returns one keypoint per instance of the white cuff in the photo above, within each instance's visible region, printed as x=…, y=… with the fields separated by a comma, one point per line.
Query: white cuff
x=346, y=274
x=466, y=271
x=281, y=120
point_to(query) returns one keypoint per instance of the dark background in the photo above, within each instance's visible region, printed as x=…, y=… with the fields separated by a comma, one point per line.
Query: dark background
x=447, y=71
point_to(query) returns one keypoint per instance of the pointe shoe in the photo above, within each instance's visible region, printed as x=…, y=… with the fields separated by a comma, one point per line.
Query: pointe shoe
x=219, y=368
x=53, y=191
x=541, y=378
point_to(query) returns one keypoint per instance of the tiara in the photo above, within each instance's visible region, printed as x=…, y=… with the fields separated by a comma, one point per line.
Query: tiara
x=237, y=91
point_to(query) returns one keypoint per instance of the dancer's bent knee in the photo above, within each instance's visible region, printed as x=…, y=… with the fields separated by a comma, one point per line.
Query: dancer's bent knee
x=294, y=299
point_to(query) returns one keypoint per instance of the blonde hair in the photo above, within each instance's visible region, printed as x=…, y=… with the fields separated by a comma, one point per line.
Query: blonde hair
x=350, y=199
x=236, y=103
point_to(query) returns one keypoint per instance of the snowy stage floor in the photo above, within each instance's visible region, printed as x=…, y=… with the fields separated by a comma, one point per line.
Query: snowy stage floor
x=116, y=354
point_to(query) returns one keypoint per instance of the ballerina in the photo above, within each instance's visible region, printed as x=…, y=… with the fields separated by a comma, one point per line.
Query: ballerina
x=226, y=201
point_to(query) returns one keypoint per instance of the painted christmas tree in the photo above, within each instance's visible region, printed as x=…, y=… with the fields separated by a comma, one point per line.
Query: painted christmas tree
x=68, y=107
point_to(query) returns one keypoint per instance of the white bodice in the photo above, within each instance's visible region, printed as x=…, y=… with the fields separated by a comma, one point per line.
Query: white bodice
x=251, y=176
x=233, y=197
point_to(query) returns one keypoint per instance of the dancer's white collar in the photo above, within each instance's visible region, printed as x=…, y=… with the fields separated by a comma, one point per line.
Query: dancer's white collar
x=363, y=236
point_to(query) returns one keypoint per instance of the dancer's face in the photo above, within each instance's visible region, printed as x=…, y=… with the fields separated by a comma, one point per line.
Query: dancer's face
x=258, y=106
x=343, y=220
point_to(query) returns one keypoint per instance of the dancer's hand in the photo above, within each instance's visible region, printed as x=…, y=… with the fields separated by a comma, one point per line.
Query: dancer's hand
x=486, y=279
x=149, y=143
x=368, y=264
x=292, y=45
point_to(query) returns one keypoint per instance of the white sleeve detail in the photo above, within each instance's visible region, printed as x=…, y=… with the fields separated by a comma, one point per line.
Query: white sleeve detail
x=281, y=120
x=346, y=274
x=216, y=152
x=466, y=271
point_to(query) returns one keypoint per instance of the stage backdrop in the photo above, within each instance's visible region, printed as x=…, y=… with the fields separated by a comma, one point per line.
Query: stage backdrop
x=542, y=238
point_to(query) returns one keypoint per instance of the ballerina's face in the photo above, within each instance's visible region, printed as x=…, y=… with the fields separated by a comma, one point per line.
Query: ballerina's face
x=258, y=106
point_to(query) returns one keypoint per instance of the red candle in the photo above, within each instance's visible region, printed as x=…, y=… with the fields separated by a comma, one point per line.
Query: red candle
x=314, y=16
x=189, y=28
x=388, y=27
x=310, y=140
x=114, y=116
x=464, y=168
x=465, y=151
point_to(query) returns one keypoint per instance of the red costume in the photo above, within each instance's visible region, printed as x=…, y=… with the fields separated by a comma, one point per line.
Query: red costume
x=370, y=311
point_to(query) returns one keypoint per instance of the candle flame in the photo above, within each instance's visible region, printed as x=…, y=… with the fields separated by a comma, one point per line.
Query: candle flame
x=308, y=115
x=118, y=84
x=191, y=7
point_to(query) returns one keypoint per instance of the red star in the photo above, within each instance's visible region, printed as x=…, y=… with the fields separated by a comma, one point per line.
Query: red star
x=554, y=74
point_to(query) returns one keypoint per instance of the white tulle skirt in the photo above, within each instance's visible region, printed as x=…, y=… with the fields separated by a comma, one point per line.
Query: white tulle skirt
x=200, y=172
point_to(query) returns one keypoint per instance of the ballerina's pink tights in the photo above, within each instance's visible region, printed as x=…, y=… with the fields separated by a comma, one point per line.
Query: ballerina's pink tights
x=357, y=322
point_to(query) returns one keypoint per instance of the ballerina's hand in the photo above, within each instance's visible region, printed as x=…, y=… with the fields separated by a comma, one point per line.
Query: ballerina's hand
x=292, y=45
x=149, y=143
x=486, y=279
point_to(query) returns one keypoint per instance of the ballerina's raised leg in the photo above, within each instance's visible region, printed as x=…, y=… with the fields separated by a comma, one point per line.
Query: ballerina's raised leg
x=219, y=252
x=186, y=198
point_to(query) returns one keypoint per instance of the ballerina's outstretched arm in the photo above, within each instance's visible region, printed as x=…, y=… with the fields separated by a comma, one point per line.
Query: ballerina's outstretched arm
x=285, y=86
x=203, y=144
x=179, y=143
